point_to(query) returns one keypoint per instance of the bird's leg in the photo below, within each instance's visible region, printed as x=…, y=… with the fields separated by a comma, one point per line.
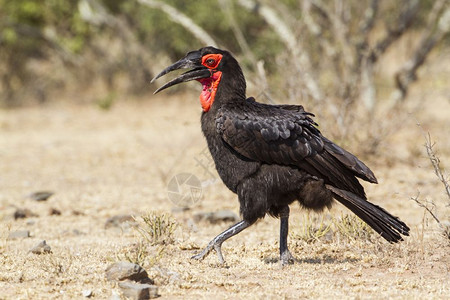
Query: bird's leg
x=216, y=243
x=285, y=256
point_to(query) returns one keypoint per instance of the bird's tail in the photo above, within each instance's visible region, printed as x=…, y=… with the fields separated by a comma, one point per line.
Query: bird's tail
x=388, y=226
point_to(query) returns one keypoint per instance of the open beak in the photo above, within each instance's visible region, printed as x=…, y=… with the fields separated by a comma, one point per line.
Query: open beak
x=191, y=60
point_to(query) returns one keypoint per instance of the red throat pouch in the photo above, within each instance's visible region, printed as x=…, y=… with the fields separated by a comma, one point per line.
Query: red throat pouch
x=209, y=90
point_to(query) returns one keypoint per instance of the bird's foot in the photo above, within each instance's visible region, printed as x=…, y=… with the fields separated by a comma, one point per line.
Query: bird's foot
x=286, y=258
x=212, y=245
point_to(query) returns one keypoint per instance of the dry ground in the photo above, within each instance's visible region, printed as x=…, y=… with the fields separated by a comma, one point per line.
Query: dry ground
x=106, y=163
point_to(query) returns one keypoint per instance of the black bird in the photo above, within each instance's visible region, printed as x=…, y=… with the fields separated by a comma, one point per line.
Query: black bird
x=273, y=155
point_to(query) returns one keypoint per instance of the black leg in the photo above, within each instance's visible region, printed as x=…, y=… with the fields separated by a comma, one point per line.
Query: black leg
x=216, y=243
x=285, y=256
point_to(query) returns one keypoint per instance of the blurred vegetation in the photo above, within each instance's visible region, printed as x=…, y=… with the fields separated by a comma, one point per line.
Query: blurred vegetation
x=47, y=46
x=97, y=50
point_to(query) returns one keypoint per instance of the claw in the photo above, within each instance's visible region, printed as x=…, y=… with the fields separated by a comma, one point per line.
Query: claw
x=216, y=243
x=287, y=258
x=216, y=246
x=204, y=253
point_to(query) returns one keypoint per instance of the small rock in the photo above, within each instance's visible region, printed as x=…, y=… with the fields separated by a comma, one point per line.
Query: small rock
x=41, y=248
x=115, y=295
x=122, y=221
x=22, y=213
x=77, y=213
x=138, y=291
x=180, y=209
x=87, y=293
x=54, y=212
x=41, y=195
x=216, y=217
x=78, y=232
x=73, y=232
x=18, y=234
x=127, y=271
x=189, y=245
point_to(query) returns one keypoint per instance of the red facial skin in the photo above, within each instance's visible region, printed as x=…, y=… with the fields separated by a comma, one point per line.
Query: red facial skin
x=210, y=85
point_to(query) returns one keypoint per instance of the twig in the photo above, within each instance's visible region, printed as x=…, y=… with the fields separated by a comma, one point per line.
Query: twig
x=416, y=199
x=434, y=160
x=435, y=163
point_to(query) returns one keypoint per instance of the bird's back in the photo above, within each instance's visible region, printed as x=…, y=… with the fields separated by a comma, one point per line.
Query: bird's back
x=286, y=135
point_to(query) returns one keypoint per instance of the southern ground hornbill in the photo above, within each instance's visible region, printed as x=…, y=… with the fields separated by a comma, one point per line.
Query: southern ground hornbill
x=272, y=155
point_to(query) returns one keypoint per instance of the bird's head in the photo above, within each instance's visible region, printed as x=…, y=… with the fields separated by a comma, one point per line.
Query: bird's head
x=207, y=66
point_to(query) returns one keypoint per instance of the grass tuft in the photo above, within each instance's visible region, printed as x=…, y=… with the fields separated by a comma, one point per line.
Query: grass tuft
x=157, y=229
x=351, y=228
x=141, y=253
x=347, y=227
x=313, y=229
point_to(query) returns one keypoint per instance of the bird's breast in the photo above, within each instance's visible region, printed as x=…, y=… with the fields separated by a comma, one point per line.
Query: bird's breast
x=230, y=165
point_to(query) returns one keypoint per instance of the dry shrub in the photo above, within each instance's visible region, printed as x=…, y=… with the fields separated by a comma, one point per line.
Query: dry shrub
x=350, y=227
x=141, y=253
x=432, y=207
x=157, y=229
x=315, y=228
x=155, y=232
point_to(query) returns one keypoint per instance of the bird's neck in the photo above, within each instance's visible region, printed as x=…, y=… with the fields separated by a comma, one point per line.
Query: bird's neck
x=231, y=88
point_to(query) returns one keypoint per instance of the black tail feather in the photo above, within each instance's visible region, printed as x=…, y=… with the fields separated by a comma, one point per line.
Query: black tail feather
x=389, y=227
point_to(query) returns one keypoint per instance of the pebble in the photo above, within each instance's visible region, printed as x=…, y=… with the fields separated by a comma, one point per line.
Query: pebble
x=54, y=212
x=41, y=248
x=216, y=217
x=22, y=213
x=87, y=293
x=115, y=296
x=138, y=291
x=121, y=221
x=120, y=271
x=41, y=195
x=18, y=234
x=181, y=209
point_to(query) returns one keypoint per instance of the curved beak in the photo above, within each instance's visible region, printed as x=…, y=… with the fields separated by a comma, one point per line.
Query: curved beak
x=191, y=60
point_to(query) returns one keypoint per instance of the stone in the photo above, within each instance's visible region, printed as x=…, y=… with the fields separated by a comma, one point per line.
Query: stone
x=115, y=295
x=41, y=195
x=54, y=212
x=120, y=271
x=121, y=221
x=87, y=293
x=180, y=209
x=22, y=213
x=41, y=248
x=216, y=217
x=77, y=213
x=18, y=234
x=138, y=291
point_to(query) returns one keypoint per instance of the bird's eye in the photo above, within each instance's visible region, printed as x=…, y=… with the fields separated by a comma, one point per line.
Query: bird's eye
x=210, y=62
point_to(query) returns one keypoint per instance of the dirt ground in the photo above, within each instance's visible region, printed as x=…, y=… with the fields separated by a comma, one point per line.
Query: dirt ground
x=101, y=164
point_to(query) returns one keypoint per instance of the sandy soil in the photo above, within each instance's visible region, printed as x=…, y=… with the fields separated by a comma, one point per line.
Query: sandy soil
x=105, y=163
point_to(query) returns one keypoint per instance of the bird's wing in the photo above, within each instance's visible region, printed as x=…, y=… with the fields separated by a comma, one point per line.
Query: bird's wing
x=287, y=135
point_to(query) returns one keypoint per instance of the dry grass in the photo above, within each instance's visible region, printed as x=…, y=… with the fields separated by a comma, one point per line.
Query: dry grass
x=104, y=163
